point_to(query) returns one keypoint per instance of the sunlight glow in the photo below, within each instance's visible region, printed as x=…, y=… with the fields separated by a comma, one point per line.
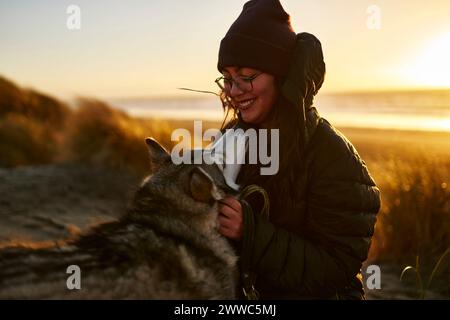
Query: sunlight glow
x=431, y=68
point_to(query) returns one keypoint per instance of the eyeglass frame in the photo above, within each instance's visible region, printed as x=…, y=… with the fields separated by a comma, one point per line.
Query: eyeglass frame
x=233, y=81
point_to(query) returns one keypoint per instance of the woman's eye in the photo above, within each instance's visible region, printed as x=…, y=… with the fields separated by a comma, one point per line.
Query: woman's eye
x=246, y=79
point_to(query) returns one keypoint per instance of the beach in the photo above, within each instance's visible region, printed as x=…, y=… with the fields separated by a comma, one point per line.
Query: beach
x=64, y=169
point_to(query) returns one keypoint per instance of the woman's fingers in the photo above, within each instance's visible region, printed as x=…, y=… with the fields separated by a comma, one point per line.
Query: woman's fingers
x=226, y=222
x=230, y=218
x=231, y=202
x=228, y=211
x=226, y=232
x=232, y=233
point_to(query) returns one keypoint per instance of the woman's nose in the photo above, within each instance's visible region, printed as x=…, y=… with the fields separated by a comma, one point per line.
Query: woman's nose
x=235, y=90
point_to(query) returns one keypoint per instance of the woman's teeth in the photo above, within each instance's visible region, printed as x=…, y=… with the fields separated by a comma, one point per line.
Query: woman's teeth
x=246, y=103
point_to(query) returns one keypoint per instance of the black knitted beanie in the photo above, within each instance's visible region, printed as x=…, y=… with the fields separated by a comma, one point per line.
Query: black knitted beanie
x=261, y=38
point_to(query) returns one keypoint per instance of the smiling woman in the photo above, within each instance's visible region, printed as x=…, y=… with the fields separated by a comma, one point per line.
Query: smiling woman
x=251, y=91
x=323, y=201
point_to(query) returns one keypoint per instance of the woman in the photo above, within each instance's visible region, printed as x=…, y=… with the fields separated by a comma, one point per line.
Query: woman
x=323, y=201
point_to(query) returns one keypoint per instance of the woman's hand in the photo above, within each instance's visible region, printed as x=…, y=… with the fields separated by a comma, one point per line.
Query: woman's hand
x=230, y=218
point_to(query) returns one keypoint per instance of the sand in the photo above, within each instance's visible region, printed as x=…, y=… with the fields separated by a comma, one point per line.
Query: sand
x=49, y=202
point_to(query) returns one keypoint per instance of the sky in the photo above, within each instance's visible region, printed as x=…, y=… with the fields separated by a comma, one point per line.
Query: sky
x=149, y=48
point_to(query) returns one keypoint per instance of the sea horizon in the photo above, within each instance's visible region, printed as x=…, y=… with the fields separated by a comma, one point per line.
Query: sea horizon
x=419, y=110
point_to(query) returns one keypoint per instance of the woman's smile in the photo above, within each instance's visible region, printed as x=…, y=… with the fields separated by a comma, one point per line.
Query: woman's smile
x=246, y=104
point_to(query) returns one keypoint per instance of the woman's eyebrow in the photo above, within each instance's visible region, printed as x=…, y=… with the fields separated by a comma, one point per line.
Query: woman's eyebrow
x=235, y=69
x=238, y=70
x=246, y=70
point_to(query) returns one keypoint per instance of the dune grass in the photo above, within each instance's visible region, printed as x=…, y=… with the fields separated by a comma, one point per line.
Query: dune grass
x=99, y=135
x=31, y=126
x=412, y=171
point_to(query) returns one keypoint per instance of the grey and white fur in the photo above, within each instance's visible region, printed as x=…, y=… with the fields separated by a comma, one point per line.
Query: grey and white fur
x=167, y=246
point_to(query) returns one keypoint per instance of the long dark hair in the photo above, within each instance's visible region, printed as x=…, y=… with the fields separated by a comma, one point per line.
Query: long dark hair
x=284, y=187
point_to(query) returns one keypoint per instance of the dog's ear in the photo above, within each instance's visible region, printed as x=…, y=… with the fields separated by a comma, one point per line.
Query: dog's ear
x=202, y=186
x=158, y=155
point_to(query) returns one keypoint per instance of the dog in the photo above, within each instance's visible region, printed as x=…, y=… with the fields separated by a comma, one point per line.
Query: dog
x=166, y=246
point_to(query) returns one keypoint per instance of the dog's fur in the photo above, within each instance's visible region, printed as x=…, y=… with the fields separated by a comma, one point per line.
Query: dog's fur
x=165, y=247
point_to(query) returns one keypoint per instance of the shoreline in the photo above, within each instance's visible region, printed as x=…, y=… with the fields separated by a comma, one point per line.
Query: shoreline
x=436, y=141
x=209, y=123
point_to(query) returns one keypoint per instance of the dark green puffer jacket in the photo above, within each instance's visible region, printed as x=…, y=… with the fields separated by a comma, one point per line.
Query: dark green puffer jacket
x=340, y=202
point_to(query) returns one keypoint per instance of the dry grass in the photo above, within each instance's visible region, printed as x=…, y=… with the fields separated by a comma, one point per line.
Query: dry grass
x=31, y=126
x=100, y=135
x=412, y=170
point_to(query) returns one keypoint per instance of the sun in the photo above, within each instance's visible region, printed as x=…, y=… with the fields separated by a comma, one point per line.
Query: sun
x=431, y=67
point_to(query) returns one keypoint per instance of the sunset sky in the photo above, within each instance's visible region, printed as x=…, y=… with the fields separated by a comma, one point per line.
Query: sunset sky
x=151, y=47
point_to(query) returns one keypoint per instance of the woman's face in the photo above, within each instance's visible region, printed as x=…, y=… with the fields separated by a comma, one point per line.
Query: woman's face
x=254, y=105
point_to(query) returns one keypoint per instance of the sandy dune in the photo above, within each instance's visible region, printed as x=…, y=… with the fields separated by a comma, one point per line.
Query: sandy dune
x=49, y=202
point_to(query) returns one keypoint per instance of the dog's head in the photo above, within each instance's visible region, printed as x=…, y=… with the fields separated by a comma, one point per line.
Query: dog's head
x=191, y=190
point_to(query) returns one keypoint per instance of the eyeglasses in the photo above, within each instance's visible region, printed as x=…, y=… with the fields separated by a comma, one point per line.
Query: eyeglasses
x=243, y=83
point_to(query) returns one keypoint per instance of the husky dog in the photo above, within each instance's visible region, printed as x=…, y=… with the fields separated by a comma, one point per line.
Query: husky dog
x=165, y=247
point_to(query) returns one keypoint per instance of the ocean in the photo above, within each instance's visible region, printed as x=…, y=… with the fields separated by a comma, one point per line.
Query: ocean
x=402, y=110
